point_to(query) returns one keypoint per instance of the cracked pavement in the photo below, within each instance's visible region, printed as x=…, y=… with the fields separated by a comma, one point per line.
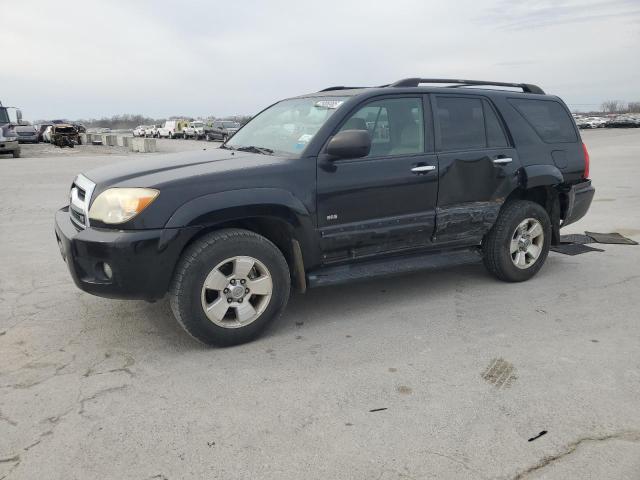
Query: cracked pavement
x=97, y=388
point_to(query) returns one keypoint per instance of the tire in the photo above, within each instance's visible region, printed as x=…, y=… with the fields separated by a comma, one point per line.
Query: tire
x=213, y=254
x=16, y=153
x=510, y=246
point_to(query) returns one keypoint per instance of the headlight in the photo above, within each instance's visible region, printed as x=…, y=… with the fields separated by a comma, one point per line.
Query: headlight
x=119, y=205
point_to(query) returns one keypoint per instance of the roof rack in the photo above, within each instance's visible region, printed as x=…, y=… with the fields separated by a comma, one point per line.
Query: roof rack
x=328, y=89
x=414, y=82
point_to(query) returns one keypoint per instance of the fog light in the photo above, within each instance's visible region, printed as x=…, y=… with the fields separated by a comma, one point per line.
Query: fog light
x=106, y=268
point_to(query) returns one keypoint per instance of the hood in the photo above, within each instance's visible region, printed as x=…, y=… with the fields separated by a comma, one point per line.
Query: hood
x=163, y=169
x=26, y=128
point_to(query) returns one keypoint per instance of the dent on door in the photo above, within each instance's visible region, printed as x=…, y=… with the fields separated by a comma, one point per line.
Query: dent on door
x=471, y=193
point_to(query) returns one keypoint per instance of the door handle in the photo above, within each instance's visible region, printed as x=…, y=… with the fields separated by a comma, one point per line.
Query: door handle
x=423, y=168
x=501, y=161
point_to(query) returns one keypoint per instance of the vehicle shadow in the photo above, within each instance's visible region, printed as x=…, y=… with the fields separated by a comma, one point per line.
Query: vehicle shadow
x=328, y=304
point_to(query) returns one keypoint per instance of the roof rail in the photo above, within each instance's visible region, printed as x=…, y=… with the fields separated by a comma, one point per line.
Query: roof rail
x=414, y=82
x=328, y=89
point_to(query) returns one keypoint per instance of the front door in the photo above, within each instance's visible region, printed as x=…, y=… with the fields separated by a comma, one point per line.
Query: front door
x=385, y=201
x=478, y=167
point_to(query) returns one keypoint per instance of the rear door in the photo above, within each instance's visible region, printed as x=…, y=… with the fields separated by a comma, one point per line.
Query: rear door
x=478, y=167
x=385, y=201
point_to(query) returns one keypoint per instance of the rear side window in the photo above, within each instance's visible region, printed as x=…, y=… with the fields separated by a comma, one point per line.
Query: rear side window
x=468, y=123
x=548, y=118
x=461, y=123
x=495, y=133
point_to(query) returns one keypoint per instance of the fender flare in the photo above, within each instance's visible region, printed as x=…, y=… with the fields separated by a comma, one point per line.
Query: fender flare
x=217, y=208
x=541, y=176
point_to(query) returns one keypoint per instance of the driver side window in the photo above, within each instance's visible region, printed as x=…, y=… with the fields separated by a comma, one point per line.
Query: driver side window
x=396, y=126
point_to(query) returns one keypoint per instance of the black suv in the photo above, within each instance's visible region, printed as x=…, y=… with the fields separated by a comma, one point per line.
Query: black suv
x=221, y=130
x=334, y=186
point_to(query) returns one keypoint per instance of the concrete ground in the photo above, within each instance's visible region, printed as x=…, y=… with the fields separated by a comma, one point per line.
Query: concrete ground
x=164, y=145
x=444, y=374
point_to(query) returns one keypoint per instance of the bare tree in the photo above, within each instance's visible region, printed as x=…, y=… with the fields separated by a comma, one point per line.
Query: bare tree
x=633, y=107
x=612, y=106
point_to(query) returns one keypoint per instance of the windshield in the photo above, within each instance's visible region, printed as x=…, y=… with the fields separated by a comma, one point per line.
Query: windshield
x=4, y=116
x=287, y=126
x=197, y=124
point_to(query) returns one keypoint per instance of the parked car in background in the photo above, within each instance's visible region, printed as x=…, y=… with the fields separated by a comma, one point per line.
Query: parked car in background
x=27, y=133
x=151, y=131
x=221, y=130
x=172, y=129
x=8, y=137
x=626, y=120
x=590, y=122
x=139, y=131
x=41, y=129
x=194, y=130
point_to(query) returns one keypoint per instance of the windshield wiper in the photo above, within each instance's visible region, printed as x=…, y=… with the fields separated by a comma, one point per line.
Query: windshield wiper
x=226, y=147
x=254, y=149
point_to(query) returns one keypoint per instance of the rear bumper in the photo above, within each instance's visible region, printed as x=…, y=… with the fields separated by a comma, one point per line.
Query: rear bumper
x=142, y=261
x=579, y=200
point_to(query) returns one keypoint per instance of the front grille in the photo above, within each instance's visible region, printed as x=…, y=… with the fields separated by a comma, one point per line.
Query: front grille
x=80, y=199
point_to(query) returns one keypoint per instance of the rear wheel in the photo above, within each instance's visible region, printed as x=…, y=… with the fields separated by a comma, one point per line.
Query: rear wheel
x=517, y=245
x=228, y=286
x=16, y=153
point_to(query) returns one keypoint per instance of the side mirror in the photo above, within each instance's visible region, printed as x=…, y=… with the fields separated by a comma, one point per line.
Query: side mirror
x=350, y=144
x=19, y=116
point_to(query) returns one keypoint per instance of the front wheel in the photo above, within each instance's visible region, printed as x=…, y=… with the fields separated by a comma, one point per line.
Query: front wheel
x=228, y=286
x=517, y=245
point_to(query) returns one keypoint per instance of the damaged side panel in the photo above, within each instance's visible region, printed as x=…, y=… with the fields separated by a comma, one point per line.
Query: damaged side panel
x=473, y=187
x=466, y=223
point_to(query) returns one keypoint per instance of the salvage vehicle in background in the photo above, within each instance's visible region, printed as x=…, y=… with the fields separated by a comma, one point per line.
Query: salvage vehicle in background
x=221, y=130
x=64, y=135
x=8, y=136
x=328, y=188
x=194, y=130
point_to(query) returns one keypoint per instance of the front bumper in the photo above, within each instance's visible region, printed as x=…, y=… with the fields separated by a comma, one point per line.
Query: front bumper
x=8, y=146
x=579, y=200
x=142, y=261
x=27, y=138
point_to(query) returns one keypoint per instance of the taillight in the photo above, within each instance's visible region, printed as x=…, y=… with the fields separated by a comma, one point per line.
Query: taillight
x=586, y=161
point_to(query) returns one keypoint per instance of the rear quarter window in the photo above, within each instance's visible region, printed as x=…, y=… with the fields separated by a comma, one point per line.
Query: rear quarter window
x=548, y=118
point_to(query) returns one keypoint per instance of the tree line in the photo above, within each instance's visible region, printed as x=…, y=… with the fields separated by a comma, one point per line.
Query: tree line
x=617, y=106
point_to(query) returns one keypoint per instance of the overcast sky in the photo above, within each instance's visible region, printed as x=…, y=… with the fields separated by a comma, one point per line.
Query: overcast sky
x=83, y=59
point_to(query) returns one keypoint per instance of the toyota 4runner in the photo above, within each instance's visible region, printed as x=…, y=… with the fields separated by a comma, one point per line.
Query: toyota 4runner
x=334, y=186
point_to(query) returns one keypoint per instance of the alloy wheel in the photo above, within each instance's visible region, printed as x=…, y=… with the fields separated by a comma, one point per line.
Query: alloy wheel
x=236, y=292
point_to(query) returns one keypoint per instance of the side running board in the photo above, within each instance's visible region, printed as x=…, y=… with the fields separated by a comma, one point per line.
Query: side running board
x=394, y=265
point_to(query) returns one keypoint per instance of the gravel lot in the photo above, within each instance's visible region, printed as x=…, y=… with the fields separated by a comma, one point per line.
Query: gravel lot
x=464, y=369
